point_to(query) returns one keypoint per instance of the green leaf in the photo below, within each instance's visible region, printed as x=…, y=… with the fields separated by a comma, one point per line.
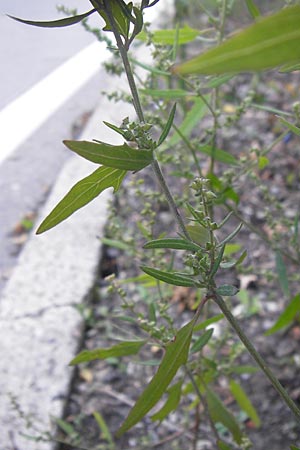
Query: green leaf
x=115, y=128
x=105, y=433
x=208, y=322
x=217, y=263
x=167, y=37
x=202, y=341
x=173, y=243
x=117, y=156
x=66, y=427
x=231, y=248
x=191, y=120
x=223, y=446
x=82, y=193
x=218, y=154
x=170, y=277
x=167, y=94
x=116, y=351
x=287, y=317
x=122, y=17
x=55, y=23
x=253, y=9
x=270, y=42
x=234, y=263
x=150, y=69
x=290, y=68
x=174, y=394
x=220, y=414
x=240, y=370
x=290, y=126
x=282, y=274
x=167, y=127
x=198, y=233
x=218, y=81
x=227, y=290
x=293, y=447
x=175, y=356
x=244, y=402
x=231, y=235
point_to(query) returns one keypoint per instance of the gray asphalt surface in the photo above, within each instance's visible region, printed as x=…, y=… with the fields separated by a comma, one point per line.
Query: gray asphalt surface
x=28, y=54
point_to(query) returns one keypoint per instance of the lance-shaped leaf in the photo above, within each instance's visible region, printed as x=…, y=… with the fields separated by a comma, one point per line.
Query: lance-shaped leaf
x=169, y=277
x=227, y=290
x=82, y=193
x=219, y=413
x=244, y=402
x=290, y=126
x=253, y=9
x=173, y=243
x=271, y=42
x=174, y=394
x=202, y=341
x=55, y=23
x=288, y=315
x=116, y=351
x=116, y=156
x=176, y=355
x=167, y=127
x=167, y=37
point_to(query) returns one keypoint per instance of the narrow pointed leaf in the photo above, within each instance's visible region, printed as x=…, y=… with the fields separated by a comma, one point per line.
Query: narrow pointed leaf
x=167, y=94
x=271, y=42
x=105, y=433
x=191, y=120
x=208, y=322
x=220, y=414
x=253, y=9
x=167, y=37
x=218, y=154
x=282, y=274
x=168, y=126
x=169, y=277
x=290, y=126
x=82, y=193
x=287, y=317
x=176, y=355
x=116, y=351
x=115, y=128
x=234, y=263
x=173, y=243
x=202, y=341
x=223, y=446
x=227, y=290
x=116, y=156
x=55, y=23
x=231, y=235
x=174, y=394
x=244, y=402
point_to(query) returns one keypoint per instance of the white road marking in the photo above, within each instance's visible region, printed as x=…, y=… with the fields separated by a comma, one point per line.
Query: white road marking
x=23, y=116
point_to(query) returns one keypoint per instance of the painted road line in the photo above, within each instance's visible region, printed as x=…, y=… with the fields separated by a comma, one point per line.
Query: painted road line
x=23, y=116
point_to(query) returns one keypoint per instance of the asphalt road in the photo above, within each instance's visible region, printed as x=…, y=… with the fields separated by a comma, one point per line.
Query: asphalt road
x=28, y=55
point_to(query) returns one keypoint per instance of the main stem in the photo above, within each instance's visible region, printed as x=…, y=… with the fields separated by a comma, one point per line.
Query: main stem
x=256, y=356
x=139, y=111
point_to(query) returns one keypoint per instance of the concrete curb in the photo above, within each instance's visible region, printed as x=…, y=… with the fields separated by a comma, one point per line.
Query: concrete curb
x=39, y=324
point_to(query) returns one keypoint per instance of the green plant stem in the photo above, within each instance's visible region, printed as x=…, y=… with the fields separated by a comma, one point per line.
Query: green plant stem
x=202, y=400
x=139, y=111
x=256, y=356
